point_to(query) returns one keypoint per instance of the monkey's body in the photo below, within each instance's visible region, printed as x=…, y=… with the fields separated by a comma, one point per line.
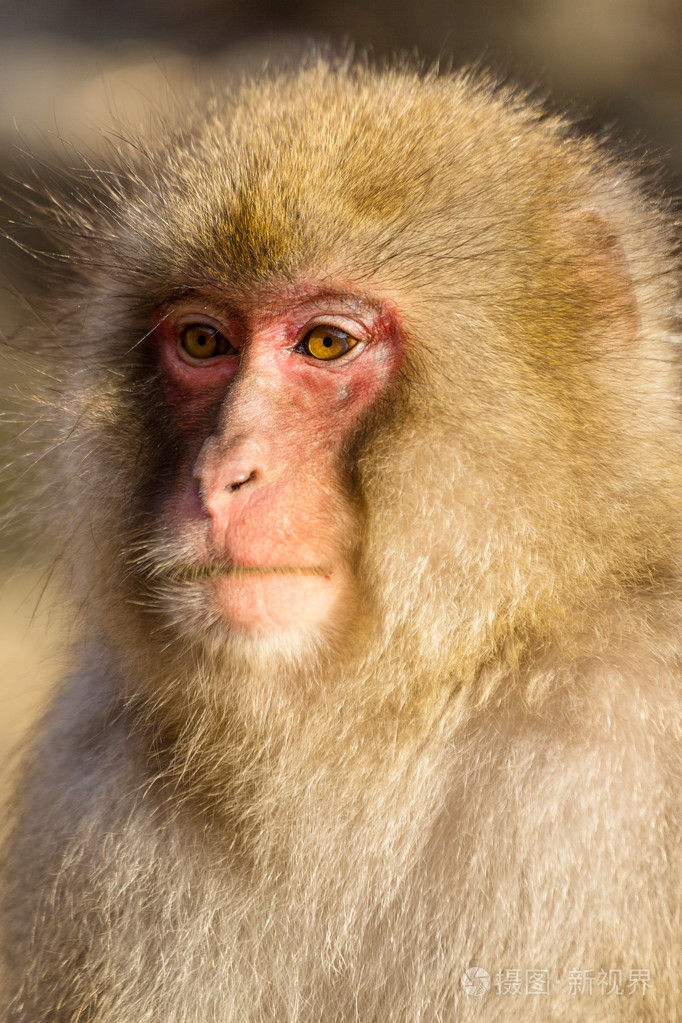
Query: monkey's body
x=389, y=688
x=518, y=862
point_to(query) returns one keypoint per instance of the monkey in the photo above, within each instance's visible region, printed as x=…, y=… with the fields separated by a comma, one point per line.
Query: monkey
x=363, y=454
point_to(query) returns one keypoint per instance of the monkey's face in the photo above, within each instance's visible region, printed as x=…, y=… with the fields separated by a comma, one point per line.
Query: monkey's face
x=263, y=395
x=325, y=381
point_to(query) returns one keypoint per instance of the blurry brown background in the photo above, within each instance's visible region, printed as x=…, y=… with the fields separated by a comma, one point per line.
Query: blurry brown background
x=70, y=67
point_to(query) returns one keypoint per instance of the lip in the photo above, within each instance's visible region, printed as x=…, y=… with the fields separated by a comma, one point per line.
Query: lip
x=190, y=573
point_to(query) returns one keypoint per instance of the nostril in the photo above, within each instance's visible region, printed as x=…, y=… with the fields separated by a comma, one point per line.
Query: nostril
x=240, y=481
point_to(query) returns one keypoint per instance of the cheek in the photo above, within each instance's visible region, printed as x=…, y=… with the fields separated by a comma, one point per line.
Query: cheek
x=184, y=504
x=328, y=405
x=191, y=395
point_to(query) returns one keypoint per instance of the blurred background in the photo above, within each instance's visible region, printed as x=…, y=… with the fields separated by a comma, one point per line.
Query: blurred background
x=70, y=68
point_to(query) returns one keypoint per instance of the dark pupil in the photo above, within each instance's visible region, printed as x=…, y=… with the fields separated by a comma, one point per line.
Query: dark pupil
x=327, y=342
x=202, y=339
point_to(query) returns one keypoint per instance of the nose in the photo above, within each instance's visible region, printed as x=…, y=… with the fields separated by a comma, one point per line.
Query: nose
x=221, y=470
x=241, y=480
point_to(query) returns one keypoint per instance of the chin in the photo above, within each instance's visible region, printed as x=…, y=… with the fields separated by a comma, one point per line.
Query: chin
x=263, y=619
x=263, y=602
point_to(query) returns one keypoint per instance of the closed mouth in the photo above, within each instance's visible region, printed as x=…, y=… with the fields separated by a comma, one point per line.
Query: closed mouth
x=190, y=573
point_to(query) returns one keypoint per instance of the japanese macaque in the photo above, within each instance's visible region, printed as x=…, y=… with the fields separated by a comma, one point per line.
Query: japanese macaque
x=365, y=464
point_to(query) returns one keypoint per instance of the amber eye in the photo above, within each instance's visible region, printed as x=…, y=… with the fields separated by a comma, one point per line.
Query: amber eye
x=325, y=342
x=201, y=341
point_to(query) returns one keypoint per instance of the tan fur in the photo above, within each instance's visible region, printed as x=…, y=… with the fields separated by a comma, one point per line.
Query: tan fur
x=478, y=767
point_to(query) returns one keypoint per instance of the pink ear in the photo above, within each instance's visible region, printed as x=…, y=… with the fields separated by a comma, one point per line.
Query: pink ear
x=600, y=271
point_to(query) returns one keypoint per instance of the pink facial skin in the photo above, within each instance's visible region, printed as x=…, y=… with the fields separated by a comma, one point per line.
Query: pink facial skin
x=258, y=500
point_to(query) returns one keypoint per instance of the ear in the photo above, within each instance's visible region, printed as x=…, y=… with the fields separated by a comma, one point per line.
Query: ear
x=601, y=278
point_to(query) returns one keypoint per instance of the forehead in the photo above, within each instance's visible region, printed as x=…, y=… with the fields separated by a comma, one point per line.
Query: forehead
x=281, y=300
x=314, y=169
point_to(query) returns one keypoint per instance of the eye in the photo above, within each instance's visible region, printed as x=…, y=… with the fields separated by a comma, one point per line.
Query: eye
x=201, y=341
x=324, y=342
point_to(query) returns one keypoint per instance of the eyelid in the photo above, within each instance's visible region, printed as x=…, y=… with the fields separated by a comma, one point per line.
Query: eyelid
x=191, y=319
x=339, y=321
